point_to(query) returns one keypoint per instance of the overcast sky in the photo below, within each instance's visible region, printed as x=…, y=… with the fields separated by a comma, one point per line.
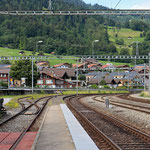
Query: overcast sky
x=124, y=4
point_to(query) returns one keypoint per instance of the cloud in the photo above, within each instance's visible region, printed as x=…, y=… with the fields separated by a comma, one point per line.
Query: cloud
x=141, y=6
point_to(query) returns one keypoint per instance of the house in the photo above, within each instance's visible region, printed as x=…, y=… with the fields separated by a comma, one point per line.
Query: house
x=94, y=66
x=112, y=83
x=123, y=67
x=42, y=64
x=91, y=75
x=108, y=66
x=64, y=73
x=48, y=81
x=62, y=65
x=4, y=74
x=5, y=66
x=129, y=37
x=91, y=61
x=21, y=52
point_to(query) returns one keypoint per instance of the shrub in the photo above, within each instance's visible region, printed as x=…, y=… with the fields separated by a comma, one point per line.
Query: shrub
x=94, y=86
x=119, y=41
x=106, y=86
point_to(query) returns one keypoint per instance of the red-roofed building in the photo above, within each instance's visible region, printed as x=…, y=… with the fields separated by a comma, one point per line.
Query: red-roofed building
x=62, y=65
x=108, y=67
x=94, y=66
x=4, y=75
x=49, y=81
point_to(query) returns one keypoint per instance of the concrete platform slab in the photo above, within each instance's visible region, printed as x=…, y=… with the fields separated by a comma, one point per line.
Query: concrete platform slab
x=80, y=137
x=54, y=134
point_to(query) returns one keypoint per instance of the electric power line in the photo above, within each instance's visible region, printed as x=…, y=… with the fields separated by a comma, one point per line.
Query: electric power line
x=117, y=4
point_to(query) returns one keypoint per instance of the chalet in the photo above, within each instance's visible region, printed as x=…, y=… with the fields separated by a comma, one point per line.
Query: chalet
x=91, y=61
x=4, y=73
x=123, y=67
x=42, y=64
x=62, y=65
x=108, y=67
x=48, y=81
x=94, y=67
x=5, y=66
x=21, y=52
x=80, y=66
x=64, y=73
x=112, y=83
x=129, y=37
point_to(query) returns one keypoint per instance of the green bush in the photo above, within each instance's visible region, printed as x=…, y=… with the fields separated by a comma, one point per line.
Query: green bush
x=121, y=87
x=106, y=87
x=94, y=86
x=4, y=84
x=119, y=41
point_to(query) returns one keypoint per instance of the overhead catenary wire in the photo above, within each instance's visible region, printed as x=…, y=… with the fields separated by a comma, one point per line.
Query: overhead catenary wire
x=117, y=4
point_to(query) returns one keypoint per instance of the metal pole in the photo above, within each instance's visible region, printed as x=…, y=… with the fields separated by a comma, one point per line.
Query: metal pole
x=8, y=80
x=144, y=76
x=77, y=79
x=149, y=73
x=32, y=75
x=128, y=80
x=93, y=48
x=50, y=5
x=137, y=48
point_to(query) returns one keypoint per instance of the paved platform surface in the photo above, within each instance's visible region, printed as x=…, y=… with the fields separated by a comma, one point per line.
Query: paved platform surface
x=8, y=138
x=54, y=134
x=80, y=137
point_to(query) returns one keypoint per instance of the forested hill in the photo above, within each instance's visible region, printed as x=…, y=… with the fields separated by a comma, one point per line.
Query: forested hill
x=64, y=35
x=60, y=34
x=43, y=5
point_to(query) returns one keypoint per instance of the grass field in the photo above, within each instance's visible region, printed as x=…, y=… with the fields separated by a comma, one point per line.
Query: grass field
x=124, y=34
x=72, y=60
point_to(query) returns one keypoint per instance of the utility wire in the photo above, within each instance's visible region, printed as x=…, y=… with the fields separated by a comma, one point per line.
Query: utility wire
x=97, y=2
x=117, y=4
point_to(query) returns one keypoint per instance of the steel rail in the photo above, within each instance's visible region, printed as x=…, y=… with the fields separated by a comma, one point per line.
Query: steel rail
x=119, y=123
x=118, y=104
x=92, y=126
x=22, y=111
x=27, y=129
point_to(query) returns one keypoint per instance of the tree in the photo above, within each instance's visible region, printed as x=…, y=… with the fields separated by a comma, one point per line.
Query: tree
x=23, y=68
x=124, y=51
x=102, y=82
x=82, y=77
x=147, y=38
x=119, y=41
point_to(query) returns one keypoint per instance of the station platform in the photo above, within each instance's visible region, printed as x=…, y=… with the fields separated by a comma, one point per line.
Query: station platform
x=61, y=131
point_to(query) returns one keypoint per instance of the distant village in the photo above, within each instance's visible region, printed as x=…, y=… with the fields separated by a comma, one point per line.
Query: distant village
x=87, y=74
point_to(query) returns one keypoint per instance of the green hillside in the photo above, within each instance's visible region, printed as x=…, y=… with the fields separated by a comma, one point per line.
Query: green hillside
x=124, y=34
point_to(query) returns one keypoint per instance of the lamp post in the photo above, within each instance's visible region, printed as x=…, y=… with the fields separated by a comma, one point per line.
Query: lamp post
x=95, y=41
x=38, y=42
x=137, y=49
x=33, y=67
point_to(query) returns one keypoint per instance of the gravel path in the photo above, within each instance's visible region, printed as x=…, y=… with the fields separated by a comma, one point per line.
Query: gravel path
x=136, y=118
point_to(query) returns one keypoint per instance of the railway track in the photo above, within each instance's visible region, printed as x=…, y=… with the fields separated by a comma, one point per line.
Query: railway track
x=25, y=109
x=14, y=145
x=127, y=97
x=13, y=120
x=108, y=132
x=124, y=105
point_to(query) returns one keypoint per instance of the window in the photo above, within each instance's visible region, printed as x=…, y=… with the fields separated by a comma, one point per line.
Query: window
x=40, y=81
x=49, y=81
x=59, y=82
